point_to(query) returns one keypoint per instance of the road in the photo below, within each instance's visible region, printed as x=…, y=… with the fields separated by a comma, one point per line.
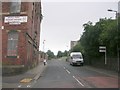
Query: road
x=59, y=74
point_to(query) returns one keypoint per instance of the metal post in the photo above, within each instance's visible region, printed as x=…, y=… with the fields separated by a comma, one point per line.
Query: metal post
x=117, y=43
x=103, y=49
x=105, y=58
x=117, y=40
x=117, y=35
x=43, y=49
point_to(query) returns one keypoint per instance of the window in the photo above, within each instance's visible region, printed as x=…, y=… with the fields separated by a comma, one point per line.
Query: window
x=12, y=43
x=15, y=6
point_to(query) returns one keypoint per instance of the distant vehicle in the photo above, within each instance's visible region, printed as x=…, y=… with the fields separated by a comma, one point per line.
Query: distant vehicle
x=76, y=58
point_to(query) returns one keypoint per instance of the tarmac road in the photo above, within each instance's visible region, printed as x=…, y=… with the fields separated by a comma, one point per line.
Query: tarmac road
x=59, y=74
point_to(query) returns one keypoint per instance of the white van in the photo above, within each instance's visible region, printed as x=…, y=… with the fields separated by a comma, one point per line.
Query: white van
x=76, y=58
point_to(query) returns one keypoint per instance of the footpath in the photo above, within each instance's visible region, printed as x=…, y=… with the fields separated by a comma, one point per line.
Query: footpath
x=27, y=77
x=100, y=78
x=104, y=79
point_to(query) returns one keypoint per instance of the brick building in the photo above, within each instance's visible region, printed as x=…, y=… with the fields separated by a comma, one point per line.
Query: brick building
x=20, y=33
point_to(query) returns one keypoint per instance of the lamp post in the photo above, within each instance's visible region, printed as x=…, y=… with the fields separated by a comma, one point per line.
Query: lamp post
x=116, y=12
x=43, y=45
x=67, y=53
x=110, y=10
x=43, y=48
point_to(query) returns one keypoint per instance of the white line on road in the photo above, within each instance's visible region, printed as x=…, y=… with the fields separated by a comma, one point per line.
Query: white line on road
x=28, y=85
x=19, y=86
x=67, y=71
x=78, y=81
x=64, y=67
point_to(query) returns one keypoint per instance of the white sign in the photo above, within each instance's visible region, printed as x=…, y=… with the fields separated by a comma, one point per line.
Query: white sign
x=102, y=47
x=15, y=19
x=102, y=50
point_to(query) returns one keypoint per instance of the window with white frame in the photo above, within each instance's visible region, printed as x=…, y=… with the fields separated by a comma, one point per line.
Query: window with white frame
x=12, y=43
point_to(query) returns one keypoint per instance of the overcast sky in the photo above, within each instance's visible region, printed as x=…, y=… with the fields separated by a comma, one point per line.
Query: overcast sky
x=63, y=21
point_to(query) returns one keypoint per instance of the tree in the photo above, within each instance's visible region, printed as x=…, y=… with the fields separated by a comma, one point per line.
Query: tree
x=65, y=53
x=50, y=54
x=59, y=54
x=104, y=32
x=77, y=48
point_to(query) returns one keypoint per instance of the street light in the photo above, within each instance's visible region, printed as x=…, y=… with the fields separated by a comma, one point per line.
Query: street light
x=116, y=12
x=68, y=51
x=110, y=10
x=43, y=48
x=43, y=45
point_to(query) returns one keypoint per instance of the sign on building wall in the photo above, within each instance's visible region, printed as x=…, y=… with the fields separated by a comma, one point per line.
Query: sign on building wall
x=15, y=19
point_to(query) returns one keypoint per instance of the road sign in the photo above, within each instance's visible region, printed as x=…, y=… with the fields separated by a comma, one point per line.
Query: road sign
x=102, y=47
x=102, y=50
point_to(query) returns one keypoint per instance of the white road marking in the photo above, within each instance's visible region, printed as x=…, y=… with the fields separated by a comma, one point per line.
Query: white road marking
x=78, y=80
x=67, y=71
x=64, y=67
x=19, y=86
x=28, y=85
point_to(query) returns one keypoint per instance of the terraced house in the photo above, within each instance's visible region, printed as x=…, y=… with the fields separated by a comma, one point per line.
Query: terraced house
x=20, y=33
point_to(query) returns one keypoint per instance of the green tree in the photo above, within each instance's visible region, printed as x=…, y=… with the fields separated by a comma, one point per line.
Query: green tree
x=77, y=48
x=104, y=32
x=50, y=54
x=59, y=54
x=65, y=53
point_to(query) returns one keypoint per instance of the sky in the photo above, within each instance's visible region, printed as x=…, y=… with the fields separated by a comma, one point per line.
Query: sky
x=63, y=20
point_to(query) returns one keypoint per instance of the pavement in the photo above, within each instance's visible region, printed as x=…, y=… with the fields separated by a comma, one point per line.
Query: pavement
x=27, y=77
x=105, y=79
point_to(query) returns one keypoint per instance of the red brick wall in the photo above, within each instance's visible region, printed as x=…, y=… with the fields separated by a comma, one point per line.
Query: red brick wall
x=26, y=33
x=4, y=8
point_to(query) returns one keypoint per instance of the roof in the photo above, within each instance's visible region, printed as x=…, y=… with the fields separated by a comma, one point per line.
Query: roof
x=72, y=53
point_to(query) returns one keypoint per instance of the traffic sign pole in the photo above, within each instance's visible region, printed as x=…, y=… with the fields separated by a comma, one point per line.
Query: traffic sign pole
x=103, y=49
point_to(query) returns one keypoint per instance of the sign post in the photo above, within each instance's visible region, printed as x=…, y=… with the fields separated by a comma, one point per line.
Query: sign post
x=103, y=49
